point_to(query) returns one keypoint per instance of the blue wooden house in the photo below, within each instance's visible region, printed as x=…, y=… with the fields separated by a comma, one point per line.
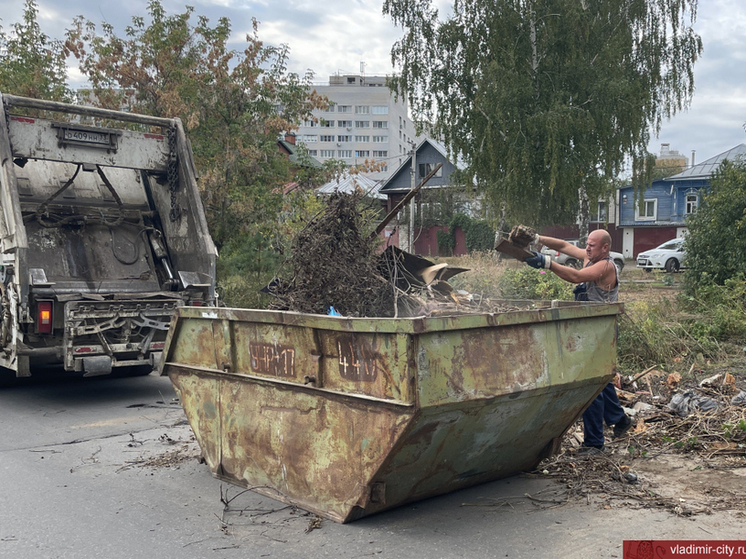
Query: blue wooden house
x=659, y=214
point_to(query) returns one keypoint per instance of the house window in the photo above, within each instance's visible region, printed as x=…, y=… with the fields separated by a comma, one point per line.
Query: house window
x=312, y=152
x=649, y=210
x=344, y=123
x=327, y=153
x=344, y=138
x=600, y=213
x=362, y=110
x=310, y=124
x=383, y=153
x=344, y=153
x=310, y=138
x=330, y=109
x=426, y=169
x=379, y=110
x=380, y=124
x=324, y=138
x=380, y=139
x=362, y=124
x=326, y=123
x=344, y=108
x=692, y=201
x=362, y=138
x=362, y=153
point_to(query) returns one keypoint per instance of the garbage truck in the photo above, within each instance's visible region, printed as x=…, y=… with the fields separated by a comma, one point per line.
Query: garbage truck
x=102, y=235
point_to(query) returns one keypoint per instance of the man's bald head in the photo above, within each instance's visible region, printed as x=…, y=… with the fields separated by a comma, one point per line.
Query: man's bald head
x=601, y=236
x=598, y=245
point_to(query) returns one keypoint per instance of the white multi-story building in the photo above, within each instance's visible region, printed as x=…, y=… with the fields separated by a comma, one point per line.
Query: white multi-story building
x=364, y=122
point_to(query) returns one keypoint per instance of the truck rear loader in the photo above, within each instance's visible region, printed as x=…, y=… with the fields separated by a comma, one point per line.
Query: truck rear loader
x=102, y=237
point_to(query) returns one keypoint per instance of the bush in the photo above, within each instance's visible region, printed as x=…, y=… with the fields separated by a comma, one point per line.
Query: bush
x=446, y=242
x=480, y=237
x=528, y=283
x=716, y=242
x=484, y=273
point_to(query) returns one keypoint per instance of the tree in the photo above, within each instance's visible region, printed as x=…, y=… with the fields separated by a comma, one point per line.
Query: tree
x=32, y=64
x=168, y=65
x=716, y=243
x=545, y=99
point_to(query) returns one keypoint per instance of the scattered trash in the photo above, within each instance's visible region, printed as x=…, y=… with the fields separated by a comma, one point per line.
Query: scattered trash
x=673, y=379
x=333, y=312
x=630, y=477
x=687, y=402
x=642, y=406
x=712, y=381
x=739, y=399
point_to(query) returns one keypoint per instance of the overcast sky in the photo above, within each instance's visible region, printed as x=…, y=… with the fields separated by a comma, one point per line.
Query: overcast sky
x=337, y=35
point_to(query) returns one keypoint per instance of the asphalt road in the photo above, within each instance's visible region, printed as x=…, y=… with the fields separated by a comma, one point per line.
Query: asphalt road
x=108, y=469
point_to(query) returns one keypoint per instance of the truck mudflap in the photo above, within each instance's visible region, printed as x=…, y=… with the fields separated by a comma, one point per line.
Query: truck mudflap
x=346, y=417
x=102, y=335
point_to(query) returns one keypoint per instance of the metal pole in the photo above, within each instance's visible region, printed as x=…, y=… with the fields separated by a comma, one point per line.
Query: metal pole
x=412, y=201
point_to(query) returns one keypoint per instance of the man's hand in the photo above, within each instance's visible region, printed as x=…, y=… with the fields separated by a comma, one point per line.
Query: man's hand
x=539, y=261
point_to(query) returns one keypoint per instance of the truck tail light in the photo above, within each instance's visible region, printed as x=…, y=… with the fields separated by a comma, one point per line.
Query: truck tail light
x=44, y=318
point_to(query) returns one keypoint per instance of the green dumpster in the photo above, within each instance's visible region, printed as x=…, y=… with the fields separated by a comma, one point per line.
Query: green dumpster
x=346, y=417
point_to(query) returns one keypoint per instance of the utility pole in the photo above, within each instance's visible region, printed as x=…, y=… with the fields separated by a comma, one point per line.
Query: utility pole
x=412, y=201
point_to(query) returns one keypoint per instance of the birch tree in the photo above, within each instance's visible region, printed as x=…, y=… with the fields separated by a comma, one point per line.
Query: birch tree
x=545, y=100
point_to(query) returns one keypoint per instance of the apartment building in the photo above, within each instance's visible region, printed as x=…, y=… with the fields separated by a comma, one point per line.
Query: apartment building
x=364, y=122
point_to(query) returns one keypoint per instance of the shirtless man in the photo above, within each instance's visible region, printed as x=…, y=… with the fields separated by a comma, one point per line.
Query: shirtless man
x=598, y=281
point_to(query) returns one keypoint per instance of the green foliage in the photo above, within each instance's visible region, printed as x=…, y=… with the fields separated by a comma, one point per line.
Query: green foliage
x=478, y=233
x=716, y=243
x=173, y=66
x=32, y=64
x=483, y=276
x=543, y=100
x=528, y=283
x=246, y=265
x=651, y=333
x=446, y=242
x=479, y=236
x=720, y=310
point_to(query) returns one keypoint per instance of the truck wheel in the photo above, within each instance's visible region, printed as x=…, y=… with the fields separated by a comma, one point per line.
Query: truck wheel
x=672, y=265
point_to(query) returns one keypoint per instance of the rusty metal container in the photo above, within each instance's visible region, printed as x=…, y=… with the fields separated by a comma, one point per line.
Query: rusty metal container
x=346, y=417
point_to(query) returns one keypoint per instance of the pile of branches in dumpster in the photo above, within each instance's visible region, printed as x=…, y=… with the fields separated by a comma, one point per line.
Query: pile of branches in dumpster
x=336, y=266
x=682, y=429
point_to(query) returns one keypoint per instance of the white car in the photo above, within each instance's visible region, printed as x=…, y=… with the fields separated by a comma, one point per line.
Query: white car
x=566, y=260
x=669, y=256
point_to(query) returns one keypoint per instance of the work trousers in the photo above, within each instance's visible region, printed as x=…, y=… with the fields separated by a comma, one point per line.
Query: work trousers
x=605, y=407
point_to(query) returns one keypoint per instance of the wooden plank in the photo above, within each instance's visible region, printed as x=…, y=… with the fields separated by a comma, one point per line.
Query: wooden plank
x=506, y=247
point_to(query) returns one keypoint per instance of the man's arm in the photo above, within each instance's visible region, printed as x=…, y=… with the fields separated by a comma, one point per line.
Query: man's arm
x=564, y=247
x=601, y=272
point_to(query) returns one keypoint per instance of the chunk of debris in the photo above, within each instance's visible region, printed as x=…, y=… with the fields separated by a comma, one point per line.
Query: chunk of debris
x=522, y=236
x=687, y=402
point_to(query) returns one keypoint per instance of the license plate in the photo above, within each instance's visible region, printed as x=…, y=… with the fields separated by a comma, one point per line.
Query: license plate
x=87, y=136
x=642, y=262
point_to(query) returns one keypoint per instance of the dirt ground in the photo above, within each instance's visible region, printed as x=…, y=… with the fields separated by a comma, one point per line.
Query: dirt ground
x=687, y=463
